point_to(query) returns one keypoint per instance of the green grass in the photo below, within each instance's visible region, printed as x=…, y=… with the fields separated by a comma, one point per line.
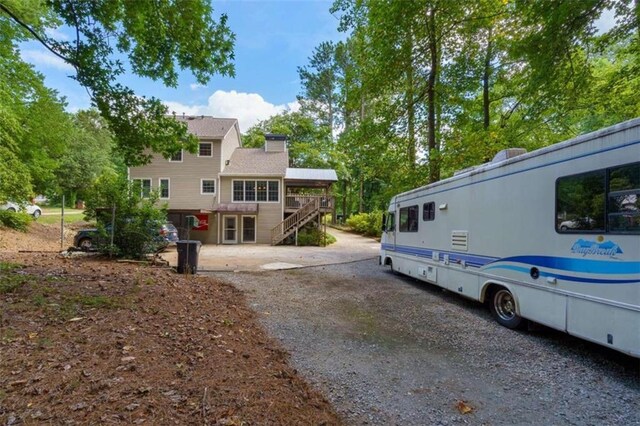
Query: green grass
x=51, y=215
x=9, y=266
x=10, y=283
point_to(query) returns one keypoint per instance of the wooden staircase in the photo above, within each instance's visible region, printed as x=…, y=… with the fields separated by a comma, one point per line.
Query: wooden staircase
x=295, y=221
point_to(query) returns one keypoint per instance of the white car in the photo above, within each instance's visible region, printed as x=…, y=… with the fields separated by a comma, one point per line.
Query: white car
x=30, y=208
x=578, y=223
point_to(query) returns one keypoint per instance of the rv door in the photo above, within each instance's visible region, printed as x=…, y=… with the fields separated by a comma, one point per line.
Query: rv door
x=390, y=228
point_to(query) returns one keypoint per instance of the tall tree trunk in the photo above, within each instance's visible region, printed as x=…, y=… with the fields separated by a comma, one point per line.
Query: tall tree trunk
x=345, y=190
x=485, y=80
x=432, y=143
x=410, y=104
x=361, y=195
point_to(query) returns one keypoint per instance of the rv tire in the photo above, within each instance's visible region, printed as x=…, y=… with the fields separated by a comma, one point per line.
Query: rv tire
x=503, y=308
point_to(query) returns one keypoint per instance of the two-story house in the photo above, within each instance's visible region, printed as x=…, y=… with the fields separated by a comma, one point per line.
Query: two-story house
x=239, y=195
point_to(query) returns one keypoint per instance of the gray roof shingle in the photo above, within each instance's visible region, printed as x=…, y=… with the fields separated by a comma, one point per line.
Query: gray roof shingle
x=255, y=161
x=207, y=127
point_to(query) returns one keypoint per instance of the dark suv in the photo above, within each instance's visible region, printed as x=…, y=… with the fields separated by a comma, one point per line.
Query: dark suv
x=90, y=239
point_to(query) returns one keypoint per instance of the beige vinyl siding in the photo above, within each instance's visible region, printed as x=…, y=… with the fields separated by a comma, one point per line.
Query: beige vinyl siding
x=269, y=213
x=185, y=177
x=230, y=142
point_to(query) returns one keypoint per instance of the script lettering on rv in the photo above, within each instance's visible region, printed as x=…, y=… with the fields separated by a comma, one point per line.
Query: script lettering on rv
x=586, y=247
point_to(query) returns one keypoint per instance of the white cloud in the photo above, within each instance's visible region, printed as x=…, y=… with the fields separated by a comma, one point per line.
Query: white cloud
x=45, y=59
x=196, y=86
x=248, y=108
x=57, y=33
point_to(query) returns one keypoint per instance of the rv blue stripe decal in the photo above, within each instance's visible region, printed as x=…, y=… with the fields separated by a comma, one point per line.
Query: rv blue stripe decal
x=565, y=277
x=578, y=265
x=469, y=259
x=567, y=265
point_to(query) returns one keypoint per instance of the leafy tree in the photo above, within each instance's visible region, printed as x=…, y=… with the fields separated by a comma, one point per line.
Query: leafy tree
x=33, y=124
x=320, y=83
x=156, y=37
x=89, y=154
x=309, y=144
x=113, y=199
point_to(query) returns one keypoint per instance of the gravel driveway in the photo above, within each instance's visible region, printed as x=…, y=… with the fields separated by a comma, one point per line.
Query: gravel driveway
x=390, y=350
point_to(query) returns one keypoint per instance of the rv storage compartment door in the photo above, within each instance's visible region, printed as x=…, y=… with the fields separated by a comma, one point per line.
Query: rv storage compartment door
x=430, y=273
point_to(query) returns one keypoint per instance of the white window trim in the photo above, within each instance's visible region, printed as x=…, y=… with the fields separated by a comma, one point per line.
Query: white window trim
x=208, y=143
x=256, y=190
x=255, y=228
x=142, y=186
x=181, y=158
x=215, y=189
x=168, y=188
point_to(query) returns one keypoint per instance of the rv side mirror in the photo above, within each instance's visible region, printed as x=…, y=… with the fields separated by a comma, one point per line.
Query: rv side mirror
x=384, y=222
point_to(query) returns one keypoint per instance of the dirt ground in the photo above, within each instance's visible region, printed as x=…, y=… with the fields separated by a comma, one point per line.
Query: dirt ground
x=84, y=340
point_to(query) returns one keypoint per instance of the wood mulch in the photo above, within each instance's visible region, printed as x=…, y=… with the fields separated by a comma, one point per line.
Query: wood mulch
x=88, y=340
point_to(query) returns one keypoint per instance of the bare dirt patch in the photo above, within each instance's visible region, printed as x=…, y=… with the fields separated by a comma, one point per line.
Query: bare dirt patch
x=85, y=340
x=39, y=238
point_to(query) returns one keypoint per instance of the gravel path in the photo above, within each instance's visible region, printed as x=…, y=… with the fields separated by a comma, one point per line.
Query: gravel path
x=390, y=350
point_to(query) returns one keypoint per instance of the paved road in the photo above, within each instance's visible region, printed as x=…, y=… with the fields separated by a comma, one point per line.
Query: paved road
x=387, y=350
x=256, y=257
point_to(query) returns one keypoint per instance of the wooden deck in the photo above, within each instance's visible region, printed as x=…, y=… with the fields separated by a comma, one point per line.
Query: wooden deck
x=294, y=202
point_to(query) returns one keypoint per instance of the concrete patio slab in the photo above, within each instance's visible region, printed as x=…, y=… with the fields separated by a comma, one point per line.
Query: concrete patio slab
x=255, y=257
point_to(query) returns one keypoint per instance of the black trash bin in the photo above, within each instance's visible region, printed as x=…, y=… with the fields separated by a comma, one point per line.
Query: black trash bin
x=188, y=251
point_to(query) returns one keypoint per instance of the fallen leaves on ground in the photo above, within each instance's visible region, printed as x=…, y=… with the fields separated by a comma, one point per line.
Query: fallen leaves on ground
x=464, y=407
x=85, y=341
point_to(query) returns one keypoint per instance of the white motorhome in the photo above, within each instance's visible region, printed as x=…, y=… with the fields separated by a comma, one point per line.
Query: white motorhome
x=551, y=236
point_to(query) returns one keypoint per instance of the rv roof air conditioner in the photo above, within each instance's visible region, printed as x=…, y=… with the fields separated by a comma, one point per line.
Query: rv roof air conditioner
x=505, y=154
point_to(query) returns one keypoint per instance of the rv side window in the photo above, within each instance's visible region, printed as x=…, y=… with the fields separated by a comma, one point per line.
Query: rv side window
x=429, y=211
x=409, y=219
x=580, y=202
x=623, y=204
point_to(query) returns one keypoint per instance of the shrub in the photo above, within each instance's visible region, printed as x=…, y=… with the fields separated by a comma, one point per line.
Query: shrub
x=137, y=219
x=369, y=224
x=15, y=220
x=314, y=237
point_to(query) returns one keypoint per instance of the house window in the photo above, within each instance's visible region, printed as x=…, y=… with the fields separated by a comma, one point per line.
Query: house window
x=606, y=200
x=261, y=190
x=144, y=185
x=250, y=190
x=409, y=219
x=429, y=211
x=177, y=157
x=273, y=191
x=164, y=188
x=238, y=190
x=205, y=150
x=207, y=186
x=256, y=190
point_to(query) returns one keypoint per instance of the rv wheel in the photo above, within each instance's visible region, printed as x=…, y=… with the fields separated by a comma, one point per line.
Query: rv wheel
x=503, y=309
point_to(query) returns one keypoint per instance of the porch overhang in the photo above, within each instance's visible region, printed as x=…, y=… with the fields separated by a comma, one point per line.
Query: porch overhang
x=310, y=178
x=235, y=208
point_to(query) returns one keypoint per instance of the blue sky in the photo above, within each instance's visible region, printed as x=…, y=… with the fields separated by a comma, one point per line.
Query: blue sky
x=273, y=38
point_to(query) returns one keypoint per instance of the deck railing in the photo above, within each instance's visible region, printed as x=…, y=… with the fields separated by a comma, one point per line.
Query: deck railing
x=325, y=202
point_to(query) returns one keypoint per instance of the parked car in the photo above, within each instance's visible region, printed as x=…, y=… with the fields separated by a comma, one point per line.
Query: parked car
x=90, y=239
x=30, y=208
x=578, y=223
